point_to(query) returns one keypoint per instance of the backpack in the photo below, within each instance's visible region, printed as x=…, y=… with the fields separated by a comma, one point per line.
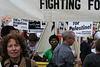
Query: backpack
x=28, y=62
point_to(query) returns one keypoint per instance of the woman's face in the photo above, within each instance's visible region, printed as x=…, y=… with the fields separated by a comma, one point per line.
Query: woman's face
x=54, y=42
x=13, y=49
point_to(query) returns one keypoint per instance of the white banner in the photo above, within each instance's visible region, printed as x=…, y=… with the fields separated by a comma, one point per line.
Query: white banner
x=82, y=29
x=51, y=10
x=20, y=24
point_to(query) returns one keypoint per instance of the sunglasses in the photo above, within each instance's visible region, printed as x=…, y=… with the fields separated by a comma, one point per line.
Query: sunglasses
x=53, y=42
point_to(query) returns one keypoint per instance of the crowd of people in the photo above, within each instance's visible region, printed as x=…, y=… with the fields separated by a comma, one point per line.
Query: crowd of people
x=18, y=50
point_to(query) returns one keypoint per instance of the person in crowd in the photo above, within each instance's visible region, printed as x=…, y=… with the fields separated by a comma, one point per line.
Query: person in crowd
x=90, y=41
x=32, y=45
x=14, y=50
x=24, y=33
x=95, y=37
x=7, y=29
x=62, y=55
x=93, y=59
x=53, y=40
x=85, y=49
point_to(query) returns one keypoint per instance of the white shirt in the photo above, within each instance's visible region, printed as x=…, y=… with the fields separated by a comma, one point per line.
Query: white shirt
x=93, y=50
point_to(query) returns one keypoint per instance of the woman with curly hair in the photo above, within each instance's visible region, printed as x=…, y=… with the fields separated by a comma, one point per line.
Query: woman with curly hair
x=14, y=51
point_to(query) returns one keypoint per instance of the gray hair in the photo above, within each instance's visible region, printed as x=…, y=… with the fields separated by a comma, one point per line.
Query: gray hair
x=97, y=35
x=67, y=34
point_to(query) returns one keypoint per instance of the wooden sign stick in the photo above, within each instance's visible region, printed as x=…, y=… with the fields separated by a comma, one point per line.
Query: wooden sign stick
x=79, y=40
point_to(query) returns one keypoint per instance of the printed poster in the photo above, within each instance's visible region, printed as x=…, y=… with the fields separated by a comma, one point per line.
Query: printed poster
x=20, y=24
x=82, y=29
x=36, y=26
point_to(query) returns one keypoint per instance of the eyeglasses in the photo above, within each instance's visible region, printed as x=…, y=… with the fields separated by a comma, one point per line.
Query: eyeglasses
x=53, y=42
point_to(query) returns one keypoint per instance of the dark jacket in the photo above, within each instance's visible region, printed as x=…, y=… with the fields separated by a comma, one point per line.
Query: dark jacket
x=92, y=60
x=85, y=49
